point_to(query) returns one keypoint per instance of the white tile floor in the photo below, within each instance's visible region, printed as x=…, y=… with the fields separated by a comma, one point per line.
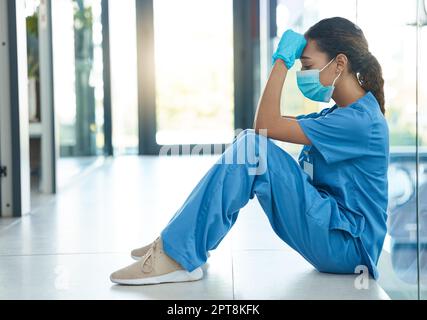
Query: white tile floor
x=68, y=247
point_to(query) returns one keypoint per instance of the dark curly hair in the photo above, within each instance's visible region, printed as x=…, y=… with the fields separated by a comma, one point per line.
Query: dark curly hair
x=338, y=35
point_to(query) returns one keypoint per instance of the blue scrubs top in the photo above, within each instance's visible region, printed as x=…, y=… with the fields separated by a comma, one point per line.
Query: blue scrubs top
x=350, y=157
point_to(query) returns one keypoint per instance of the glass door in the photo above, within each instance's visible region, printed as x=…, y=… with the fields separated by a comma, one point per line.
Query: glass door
x=194, y=71
x=32, y=8
x=422, y=145
x=399, y=41
x=78, y=74
x=394, y=42
x=124, y=76
x=79, y=88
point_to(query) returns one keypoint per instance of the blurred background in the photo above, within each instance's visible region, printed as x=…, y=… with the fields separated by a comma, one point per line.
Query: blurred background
x=95, y=79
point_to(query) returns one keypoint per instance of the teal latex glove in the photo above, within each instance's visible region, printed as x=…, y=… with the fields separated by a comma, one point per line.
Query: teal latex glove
x=290, y=48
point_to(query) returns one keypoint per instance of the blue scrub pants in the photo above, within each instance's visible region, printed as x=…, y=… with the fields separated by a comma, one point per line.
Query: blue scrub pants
x=254, y=165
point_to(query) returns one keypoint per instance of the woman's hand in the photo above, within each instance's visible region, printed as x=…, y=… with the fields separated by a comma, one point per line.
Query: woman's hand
x=290, y=48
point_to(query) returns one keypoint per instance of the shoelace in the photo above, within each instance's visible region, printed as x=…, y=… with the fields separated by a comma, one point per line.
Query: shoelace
x=148, y=259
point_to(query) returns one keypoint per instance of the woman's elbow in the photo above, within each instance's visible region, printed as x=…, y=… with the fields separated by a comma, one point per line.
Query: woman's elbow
x=260, y=125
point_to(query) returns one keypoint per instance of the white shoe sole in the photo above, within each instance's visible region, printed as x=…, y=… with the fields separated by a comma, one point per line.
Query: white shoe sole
x=176, y=276
x=137, y=258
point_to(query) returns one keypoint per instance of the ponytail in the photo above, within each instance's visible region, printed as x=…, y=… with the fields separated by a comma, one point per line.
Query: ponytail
x=370, y=78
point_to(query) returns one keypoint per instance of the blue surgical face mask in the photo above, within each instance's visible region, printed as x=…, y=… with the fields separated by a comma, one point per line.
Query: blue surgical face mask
x=309, y=83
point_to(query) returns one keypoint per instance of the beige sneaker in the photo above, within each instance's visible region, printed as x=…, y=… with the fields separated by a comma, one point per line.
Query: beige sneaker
x=137, y=254
x=153, y=268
